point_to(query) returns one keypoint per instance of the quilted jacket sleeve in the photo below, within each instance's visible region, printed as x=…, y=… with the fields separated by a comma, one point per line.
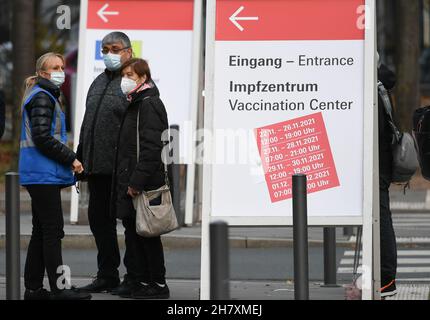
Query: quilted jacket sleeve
x=153, y=122
x=41, y=111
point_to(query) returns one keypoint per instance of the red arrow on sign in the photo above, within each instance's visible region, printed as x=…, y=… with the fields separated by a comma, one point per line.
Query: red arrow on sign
x=289, y=20
x=234, y=18
x=140, y=14
x=102, y=13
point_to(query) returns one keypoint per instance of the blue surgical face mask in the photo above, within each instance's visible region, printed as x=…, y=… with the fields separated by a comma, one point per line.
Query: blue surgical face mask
x=112, y=61
x=57, y=78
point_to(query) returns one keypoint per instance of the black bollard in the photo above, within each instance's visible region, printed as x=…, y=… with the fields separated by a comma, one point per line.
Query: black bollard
x=300, y=238
x=13, y=264
x=330, y=257
x=219, y=261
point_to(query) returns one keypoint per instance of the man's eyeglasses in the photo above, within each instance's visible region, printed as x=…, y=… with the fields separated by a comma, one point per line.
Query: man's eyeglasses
x=113, y=50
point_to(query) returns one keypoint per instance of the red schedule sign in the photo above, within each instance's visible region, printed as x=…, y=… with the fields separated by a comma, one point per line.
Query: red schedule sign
x=298, y=146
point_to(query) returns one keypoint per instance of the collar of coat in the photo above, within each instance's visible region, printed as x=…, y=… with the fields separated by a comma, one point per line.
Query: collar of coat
x=49, y=86
x=113, y=74
x=143, y=91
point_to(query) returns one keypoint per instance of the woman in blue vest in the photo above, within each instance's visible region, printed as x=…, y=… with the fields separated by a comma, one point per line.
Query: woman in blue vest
x=46, y=165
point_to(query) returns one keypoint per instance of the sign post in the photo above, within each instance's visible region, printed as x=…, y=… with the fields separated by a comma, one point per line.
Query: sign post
x=290, y=89
x=163, y=33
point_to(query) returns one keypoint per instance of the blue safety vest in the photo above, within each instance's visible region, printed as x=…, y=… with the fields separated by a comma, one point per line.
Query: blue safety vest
x=34, y=167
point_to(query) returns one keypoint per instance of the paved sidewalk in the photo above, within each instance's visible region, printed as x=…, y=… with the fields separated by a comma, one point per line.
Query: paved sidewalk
x=411, y=230
x=242, y=290
x=80, y=237
x=411, y=201
x=251, y=290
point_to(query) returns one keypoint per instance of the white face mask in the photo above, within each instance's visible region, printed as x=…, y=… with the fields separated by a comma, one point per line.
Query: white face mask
x=127, y=85
x=112, y=61
x=57, y=78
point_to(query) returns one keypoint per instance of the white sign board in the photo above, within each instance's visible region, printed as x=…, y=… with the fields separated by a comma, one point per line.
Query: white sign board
x=289, y=90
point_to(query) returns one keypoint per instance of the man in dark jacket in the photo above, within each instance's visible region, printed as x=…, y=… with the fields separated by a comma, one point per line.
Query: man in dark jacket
x=388, y=237
x=2, y=113
x=105, y=106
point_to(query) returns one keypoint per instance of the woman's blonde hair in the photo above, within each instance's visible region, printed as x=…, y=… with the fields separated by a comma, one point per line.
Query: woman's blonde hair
x=30, y=82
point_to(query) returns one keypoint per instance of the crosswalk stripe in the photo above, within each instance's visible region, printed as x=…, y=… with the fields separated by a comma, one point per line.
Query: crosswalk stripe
x=417, y=207
x=407, y=222
x=411, y=218
x=399, y=261
x=399, y=270
x=401, y=240
x=413, y=280
x=415, y=240
x=408, y=216
x=399, y=253
x=416, y=225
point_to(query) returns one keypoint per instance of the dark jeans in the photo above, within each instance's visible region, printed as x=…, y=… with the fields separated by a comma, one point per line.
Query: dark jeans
x=388, y=237
x=144, y=258
x=103, y=226
x=44, y=250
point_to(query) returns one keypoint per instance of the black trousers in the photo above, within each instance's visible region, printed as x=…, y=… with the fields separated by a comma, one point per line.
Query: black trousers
x=387, y=235
x=103, y=226
x=44, y=250
x=144, y=257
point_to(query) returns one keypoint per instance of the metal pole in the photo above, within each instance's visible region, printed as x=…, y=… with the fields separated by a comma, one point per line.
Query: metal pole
x=300, y=238
x=330, y=257
x=176, y=177
x=219, y=261
x=13, y=265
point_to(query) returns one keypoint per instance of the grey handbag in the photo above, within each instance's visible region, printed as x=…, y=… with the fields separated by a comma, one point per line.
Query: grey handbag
x=152, y=221
x=405, y=156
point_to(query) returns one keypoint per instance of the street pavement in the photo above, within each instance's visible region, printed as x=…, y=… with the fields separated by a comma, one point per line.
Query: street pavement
x=239, y=290
x=261, y=259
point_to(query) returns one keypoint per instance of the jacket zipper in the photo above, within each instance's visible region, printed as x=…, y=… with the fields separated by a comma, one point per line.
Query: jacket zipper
x=93, y=127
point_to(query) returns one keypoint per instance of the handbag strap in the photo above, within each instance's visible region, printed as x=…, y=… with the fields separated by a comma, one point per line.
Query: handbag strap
x=389, y=111
x=166, y=178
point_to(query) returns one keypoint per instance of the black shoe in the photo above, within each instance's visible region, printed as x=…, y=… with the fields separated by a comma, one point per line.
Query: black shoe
x=127, y=286
x=389, y=289
x=39, y=294
x=70, y=294
x=151, y=291
x=100, y=285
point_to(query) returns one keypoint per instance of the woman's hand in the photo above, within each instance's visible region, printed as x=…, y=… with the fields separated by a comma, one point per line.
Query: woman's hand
x=132, y=192
x=77, y=166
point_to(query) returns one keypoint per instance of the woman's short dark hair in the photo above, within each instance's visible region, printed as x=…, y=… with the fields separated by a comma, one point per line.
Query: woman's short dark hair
x=140, y=66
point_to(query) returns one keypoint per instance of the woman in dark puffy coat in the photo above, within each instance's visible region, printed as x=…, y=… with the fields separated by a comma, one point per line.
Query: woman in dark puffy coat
x=46, y=165
x=144, y=259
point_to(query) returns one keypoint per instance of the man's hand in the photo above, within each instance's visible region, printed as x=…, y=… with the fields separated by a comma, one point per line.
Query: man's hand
x=132, y=192
x=77, y=166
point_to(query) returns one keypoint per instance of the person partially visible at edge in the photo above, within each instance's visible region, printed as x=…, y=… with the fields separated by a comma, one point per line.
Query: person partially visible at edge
x=105, y=106
x=2, y=113
x=46, y=165
x=387, y=235
x=145, y=257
